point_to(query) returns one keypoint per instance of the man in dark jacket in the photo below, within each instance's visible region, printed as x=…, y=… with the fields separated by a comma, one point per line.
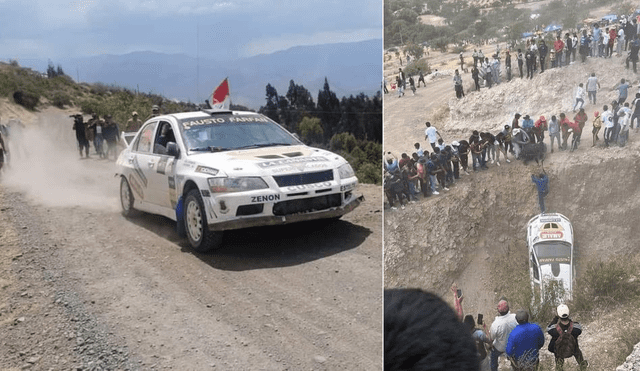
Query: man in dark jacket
x=542, y=184
x=542, y=49
x=564, y=336
x=525, y=341
x=78, y=126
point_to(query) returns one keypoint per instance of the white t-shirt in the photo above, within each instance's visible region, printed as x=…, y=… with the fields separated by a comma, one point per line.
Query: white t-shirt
x=431, y=133
x=607, y=119
x=580, y=93
x=500, y=330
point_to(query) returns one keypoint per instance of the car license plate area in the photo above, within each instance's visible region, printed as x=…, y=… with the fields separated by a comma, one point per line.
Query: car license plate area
x=304, y=205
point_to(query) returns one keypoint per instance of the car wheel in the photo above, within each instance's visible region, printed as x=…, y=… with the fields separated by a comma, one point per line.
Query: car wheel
x=200, y=237
x=126, y=198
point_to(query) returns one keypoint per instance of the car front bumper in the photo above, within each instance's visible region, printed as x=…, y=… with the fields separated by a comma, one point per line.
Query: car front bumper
x=259, y=221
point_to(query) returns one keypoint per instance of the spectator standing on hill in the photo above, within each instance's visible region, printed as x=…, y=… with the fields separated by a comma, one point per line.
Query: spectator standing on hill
x=623, y=89
x=480, y=56
x=399, y=86
x=579, y=97
x=525, y=341
x=581, y=120
x=500, y=330
x=486, y=66
x=620, y=41
x=433, y=170
x=501, y=148
x=514, y=122
x=585, y=40
x=597, y=35
x=508, y=145
x=577, y=132
x=574, y=43
x=475, y=57
x=481, y=338
x=475, y=75
x=457, y=84
x=607, y=121
x=634, y=47
x=463, y=154
x=613, y=34
x=636, y=112
x=421, y=79
x=564, y=127
x=79, y=127
x=604, y=45
x=564, y=339
x=507, y=65
x=592, y=87
x=539, y=127
x=542, y=49
x=134, y=123
x=155, y=111
x=554, y=131
x=90, y=130
x=597, y=124
x=412, y=85
x=624, y=119
x=98, y=140
x=558, y=46
x=495, y=69
x=520, y=58
x=530, y=57
x=569, y=45
x=432, y=134
x=423, y=176
x=111, y=135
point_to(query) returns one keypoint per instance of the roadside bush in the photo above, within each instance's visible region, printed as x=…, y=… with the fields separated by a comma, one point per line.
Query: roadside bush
x=60, y=100
x=369, y=173
x=343, y=142
x=604, y=284
x=25, y=99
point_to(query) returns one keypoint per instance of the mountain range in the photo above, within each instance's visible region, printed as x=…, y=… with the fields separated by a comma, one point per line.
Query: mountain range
x=350, y=68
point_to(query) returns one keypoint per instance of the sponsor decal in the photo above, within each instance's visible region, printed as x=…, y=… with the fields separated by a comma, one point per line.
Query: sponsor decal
x=136, y=186
x=171, y=165
x=138, y=170
x=220, y=120
x=172, y=182
x=559, y=259
x=291, y=162
x=162, y=165
x=303, y=187
x=545, y=235
x=266, y=198
x=173, y=194
x=550, y=220
x=205, y=193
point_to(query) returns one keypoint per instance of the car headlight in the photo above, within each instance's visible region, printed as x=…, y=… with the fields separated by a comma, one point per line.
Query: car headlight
x=226, y=185
x=346, y=171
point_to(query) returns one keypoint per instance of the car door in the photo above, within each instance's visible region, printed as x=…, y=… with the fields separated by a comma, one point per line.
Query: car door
x=159, y=166
x=135, y=159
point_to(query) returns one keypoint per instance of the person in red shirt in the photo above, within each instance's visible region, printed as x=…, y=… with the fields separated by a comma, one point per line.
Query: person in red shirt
x=404, y=160
x=564, y=127
x=577, y=131
x=558, y=46
x=539, y=127
x=612, y=37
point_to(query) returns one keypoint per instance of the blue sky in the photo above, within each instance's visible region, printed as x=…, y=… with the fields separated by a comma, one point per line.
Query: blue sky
x=222, y=30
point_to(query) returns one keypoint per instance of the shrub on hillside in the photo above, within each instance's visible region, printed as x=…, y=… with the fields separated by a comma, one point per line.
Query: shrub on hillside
x=60, y=100
x=25, y=99
x=343, y=142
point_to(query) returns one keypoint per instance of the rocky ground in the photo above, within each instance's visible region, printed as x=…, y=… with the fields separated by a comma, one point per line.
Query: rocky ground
x=83, y=288
x=463, y=235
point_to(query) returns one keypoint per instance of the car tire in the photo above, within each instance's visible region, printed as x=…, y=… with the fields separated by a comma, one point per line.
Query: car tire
x=126, y=199
x=200, y=237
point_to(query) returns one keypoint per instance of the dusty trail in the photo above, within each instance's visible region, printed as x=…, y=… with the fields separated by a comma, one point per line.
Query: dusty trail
x=130, y=294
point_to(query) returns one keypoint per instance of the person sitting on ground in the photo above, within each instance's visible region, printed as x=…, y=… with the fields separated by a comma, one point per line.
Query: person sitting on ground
x=525, y=341
x=564, y=339
x=421, y=330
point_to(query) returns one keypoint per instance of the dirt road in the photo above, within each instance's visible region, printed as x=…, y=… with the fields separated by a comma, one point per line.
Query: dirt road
x=84, y=288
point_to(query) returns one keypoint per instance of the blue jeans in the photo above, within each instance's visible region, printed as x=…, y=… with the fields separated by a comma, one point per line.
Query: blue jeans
x=494, y=359
x=557, y=137
x=592, y=96
x=97, y=141
x=433, y=180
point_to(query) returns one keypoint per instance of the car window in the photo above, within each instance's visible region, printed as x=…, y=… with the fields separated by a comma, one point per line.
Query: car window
x=164, y=135
x=536, y=273
x=145, y=138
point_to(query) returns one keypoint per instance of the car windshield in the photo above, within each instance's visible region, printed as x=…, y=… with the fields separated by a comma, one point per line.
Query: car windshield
x=553, y=252
x=225, y=132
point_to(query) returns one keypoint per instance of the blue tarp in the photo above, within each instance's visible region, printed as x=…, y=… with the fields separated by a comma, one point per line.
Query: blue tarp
x=610, y=18
x=552, y=27
x=527, y=34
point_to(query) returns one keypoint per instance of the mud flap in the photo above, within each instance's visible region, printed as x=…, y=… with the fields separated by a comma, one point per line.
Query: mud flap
x=180, y=229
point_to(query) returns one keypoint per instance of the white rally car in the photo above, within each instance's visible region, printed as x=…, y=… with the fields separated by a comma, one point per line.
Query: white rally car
x=216, y=170
x=550, y=242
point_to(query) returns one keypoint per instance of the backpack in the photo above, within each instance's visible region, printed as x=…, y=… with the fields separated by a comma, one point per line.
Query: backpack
x=566, y=344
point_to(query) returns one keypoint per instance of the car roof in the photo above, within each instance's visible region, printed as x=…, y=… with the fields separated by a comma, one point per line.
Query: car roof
x=207, y=113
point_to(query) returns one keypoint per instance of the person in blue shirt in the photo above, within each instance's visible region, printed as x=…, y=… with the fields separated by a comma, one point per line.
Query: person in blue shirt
x=527, y=125
x=542, y=183
x=525, y=341
x=623, y=88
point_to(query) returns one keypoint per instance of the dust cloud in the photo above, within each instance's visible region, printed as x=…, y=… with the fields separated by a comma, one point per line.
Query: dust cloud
x=46, y=166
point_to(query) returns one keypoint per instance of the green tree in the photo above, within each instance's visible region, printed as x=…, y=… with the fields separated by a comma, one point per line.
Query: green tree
x=310, y=129
x=328, y=110
x=414, y=50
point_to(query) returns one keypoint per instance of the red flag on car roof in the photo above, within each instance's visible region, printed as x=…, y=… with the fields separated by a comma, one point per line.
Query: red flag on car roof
x=220, y=95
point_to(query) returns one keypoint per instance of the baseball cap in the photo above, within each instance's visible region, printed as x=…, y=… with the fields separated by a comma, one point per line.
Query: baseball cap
x=596, y=114
x=563, y=311
x=542, y=118
x=134, y=113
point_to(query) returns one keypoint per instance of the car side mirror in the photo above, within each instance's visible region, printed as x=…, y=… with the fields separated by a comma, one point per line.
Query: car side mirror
x=173, y=150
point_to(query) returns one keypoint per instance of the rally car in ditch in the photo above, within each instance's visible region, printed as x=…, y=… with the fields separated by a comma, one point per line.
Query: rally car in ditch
x=550, y=242
x=217, y=170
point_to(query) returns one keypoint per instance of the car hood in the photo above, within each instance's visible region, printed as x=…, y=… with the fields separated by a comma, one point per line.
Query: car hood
x=269, y=160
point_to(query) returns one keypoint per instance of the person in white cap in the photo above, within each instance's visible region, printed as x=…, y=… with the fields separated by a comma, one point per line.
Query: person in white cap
x=564, y=338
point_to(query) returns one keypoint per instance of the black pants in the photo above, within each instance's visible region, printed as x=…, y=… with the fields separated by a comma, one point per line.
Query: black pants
x=520, y=68
x=542, y=64
x=456, y=169
x=464, y=161
x=530, y=69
